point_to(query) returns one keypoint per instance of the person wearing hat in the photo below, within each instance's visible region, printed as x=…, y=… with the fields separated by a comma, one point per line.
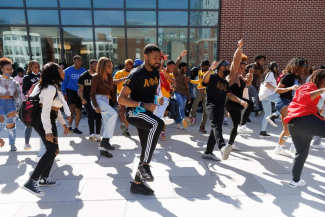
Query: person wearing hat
x=218, y=90
x=119, y=78
x=70, y=87
x=200, y=95
x=84, y=83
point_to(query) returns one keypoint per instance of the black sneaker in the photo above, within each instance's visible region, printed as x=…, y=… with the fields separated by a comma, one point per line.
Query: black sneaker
x=144, y=173
x=258, y=113
x=47, y=182
x=271, y=120
x=75, y=130
x=125, y=131
x=264, y=135
x=70, y=131
x=106, y=154
x=104, y=145
x=141, y=189
x=32, y=186
x=127, y=134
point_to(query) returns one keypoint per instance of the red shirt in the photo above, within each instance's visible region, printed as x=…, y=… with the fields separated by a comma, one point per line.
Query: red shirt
x=302, y=105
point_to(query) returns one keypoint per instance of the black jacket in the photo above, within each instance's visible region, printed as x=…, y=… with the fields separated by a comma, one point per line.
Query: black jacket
x=29, y=80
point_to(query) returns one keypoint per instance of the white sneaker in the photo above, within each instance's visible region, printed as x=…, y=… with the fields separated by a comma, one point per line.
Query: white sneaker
x=98, y=138
x=292, y=149
x=225, y=152
x=244, y=130
x=156, y=152
x=27, y=147
x=293, y=184
x=93, y=138
x=168, y=120
x=321, y=146
x=280, y=151
x=178, y=126
x=235, y=148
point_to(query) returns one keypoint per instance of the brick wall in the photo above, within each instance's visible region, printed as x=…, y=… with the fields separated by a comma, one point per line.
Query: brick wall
x=280, y=29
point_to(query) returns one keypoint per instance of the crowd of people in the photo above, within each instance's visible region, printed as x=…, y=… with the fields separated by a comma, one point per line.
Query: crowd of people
x=152, y=93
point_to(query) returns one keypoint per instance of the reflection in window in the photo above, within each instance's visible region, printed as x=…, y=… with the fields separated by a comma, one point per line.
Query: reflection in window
x=201, y=38
x=76, y=17
x=146, y=36
x=12, y=3
x=108, y=3
x=173, y=18
x=110, y=43
x=75, y=4
x=204, y=4
x=141, y=18
x=109, y=17
x=45, y=44
x=167, y=4
x=137, y=53
x=50, y=17
x=77, y=42
x=172, y=41
x=204, y=18
x=12, y=16
x=141, y=4
x=42, y=3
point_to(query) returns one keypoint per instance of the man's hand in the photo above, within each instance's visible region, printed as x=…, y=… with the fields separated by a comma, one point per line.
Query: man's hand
x=68, y=118
x=97, y=110
x=49, y=137
x=84, y=101
x=295, y=87
x=184, y=52
x=189, y=100
x=201, y=89
x=161, y=101
x=65, y=129
x=2, y=143
x=241, y=43
x=243, y=103
x=214, y=65
x=149, y=106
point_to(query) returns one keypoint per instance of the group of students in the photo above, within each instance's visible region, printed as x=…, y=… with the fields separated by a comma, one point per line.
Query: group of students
x=142, y=99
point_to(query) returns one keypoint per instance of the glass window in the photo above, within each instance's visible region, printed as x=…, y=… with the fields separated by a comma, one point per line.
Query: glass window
x=141, y=4
x=111, y=43
x=172, y=41
x=109, y=17
x=75, y=4
x=204, y=4
x=77, y=42
x=11, y=43
x=199, y=39
x=146, y=36
x=12, y=3
x=12, y=16
x=167, y=4
x=108, y=3
x=45, y=44
x=50, y=17
x=141, y=18
x=76, y=17
x=42, y=3
x=173, y=18
x=204, y=18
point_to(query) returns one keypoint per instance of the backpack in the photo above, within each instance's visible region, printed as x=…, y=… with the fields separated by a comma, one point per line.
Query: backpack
x=30, y=108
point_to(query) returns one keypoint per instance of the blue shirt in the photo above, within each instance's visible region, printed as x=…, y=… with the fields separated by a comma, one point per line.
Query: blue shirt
x=71, y=78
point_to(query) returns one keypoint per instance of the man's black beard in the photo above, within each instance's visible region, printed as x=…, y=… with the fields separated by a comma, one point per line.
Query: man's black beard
x=153, y=67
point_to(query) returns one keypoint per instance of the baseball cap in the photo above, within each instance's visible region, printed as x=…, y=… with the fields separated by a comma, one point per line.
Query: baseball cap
x=137, y=62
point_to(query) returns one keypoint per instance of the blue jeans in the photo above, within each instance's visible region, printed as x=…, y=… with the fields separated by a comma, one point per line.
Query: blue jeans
x=7, y=106
x=109, y=115
x=181, y=100
x=266, y=102
x=253, y=96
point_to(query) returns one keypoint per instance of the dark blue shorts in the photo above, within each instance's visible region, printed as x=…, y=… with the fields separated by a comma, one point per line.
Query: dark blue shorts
x=280, y=103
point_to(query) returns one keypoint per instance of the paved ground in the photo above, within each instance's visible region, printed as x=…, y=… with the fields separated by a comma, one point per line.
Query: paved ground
x=253, y=182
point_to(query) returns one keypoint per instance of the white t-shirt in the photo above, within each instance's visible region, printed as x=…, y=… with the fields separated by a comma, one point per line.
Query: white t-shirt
x=264, y=91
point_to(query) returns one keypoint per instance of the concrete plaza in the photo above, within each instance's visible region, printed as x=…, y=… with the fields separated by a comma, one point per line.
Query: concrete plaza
x=253, y=182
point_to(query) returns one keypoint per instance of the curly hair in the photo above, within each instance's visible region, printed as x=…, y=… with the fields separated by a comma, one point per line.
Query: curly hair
x=294, y=67
x=5, y=61
x=30, y=65
x=259, y=56
x=317, y=77
x=50, y=76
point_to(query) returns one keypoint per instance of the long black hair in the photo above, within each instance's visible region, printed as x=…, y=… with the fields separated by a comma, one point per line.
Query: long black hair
x=50, y=76
x=270, y=68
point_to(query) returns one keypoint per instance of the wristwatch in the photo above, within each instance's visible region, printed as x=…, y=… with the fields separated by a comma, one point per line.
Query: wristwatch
x=141, y=104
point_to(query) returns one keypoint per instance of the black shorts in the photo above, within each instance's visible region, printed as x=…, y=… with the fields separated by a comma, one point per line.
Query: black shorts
x=73, y=98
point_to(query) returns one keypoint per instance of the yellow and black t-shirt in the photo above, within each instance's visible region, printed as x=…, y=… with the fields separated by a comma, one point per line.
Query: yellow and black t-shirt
x=217, y=89
x=85, y=81
x=143, y=84
x=120, y=74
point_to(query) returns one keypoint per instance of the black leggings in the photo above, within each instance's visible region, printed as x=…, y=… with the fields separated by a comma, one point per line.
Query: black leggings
x=92, y=116
x=149, y=127
x=237, y=116
x=44, y=166
x=302, y=130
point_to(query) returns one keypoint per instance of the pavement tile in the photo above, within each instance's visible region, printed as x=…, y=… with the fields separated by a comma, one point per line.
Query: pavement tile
x=9, y=210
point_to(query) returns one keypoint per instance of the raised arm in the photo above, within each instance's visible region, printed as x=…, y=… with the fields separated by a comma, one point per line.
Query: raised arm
x=236, y=60
x=179, y=59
